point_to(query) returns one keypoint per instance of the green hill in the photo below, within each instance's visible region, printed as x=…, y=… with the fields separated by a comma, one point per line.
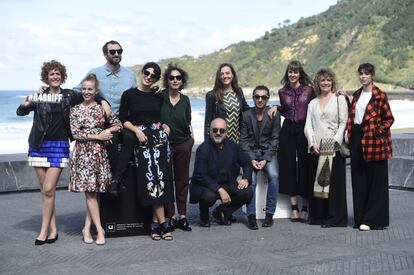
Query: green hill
x=347, y=34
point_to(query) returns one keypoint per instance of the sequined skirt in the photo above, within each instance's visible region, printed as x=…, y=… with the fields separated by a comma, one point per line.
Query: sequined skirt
x=50, y=154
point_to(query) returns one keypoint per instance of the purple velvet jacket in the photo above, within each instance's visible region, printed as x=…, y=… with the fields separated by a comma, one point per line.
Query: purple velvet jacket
x=294, y=102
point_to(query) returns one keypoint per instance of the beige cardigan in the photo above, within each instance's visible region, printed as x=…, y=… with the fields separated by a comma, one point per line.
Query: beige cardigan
x=324, y=124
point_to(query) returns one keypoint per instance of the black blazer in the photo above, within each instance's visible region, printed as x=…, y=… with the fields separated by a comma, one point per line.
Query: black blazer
x=214, y=109
x=265, y=138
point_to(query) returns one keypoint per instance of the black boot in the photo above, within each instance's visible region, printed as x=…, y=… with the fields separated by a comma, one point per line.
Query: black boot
x=268, y=221
x=252, y=222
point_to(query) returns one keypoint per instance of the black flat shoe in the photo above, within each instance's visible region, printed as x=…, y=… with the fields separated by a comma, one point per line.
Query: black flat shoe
x=184, y=225
x=205, y=223
x=220, y=217
x=40, y=242
x=327, y=225
x=52, y=240
x=378, y=227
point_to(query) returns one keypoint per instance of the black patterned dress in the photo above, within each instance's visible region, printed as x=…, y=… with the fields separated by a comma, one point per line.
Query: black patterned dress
x=152, y=159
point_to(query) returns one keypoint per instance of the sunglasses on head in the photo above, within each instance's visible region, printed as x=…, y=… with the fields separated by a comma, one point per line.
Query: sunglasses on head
x=219, y=130
x=263, y=97
x=150, y=75
x=119, y=51
x=172, y=77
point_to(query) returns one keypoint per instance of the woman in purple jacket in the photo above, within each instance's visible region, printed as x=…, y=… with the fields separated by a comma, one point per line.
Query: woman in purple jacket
x=294, y=97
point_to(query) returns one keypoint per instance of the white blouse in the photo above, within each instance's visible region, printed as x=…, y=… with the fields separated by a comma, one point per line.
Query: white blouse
x=361, y=105
x=324, y=124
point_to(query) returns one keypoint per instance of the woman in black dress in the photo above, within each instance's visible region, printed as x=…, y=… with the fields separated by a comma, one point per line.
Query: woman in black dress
x=147, y=138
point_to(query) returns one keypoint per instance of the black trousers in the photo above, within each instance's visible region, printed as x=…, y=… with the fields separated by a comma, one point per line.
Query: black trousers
x=293, y=172
x=129, y=140
x=331, y=211
x=113, y=150
x=369, y=186
x=238, y=197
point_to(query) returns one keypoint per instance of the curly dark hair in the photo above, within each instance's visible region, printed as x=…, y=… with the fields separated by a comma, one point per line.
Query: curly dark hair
x=52, y=65
x=167, y=73
x=321, y=74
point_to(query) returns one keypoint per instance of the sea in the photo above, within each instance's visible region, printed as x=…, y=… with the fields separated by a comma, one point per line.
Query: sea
x=14, y=130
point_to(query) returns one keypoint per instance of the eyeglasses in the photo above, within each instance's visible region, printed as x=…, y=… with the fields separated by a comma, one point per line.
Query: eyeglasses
x=219, y=130
x=178, y=77
x=263, y=97
x=119, y=51
x=149, y=74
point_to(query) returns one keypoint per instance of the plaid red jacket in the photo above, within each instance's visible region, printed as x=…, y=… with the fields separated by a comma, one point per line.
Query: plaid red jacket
x=376, y=124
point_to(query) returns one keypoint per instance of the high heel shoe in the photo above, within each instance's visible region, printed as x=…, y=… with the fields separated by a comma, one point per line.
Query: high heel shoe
x=52, y=240
x=87, y=241
x=295, y=208
x=102, y=241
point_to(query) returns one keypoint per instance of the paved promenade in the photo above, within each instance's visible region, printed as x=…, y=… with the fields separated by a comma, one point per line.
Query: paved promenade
x=285, y=248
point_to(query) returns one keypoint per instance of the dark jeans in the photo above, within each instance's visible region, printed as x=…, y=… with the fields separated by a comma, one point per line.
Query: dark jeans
x=181, y=155
x=238, y=198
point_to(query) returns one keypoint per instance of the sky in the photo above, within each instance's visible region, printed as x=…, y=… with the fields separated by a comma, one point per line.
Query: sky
x=73, y=32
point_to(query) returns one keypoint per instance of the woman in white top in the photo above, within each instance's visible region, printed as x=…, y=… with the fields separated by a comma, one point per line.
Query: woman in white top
x=326, y=118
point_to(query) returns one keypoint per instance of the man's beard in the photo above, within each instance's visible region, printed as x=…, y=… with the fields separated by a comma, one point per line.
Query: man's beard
x=218, y=143
x=114, y=63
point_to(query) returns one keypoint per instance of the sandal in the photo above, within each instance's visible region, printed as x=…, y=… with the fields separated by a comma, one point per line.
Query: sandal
x=166, y=232
x=294, y=208
x=304, y=214
x=156, y=232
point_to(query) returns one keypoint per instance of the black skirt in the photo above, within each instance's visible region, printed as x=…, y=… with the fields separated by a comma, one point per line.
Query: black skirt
x=293, y=172
x=153, y=167
x=331, y=211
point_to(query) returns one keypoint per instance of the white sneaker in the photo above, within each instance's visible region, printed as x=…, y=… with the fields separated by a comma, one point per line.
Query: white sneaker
x=364, y=227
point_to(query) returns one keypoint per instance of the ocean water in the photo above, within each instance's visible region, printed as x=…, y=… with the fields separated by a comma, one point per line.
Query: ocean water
x=14, y=130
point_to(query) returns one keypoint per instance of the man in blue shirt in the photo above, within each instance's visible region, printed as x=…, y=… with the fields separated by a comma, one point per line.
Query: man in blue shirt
x=217, y=166
x=113, y=80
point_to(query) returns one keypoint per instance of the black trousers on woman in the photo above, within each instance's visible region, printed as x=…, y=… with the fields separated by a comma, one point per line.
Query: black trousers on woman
x=332, y=211
x=293, y=174
x=369, y=186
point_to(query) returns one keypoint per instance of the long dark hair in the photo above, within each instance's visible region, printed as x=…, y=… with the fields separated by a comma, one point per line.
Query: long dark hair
x=218, y=89
x=295, y=65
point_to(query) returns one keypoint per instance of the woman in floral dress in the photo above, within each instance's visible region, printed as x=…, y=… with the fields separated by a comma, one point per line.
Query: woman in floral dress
x=90, y=168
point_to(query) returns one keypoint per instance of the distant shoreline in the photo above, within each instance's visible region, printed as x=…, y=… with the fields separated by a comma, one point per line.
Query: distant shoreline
x=201, y=93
